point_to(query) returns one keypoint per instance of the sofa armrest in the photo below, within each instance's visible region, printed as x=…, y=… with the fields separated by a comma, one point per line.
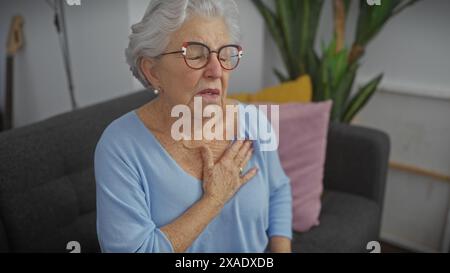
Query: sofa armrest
x=357, y=161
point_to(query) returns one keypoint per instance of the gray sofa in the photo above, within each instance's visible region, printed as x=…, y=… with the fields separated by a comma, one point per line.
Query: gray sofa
x=47, y=186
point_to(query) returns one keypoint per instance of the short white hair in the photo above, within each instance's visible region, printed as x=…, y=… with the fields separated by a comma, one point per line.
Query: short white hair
x=150, y=37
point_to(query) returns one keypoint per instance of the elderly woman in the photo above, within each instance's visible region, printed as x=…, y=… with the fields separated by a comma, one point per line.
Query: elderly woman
x=158, y=194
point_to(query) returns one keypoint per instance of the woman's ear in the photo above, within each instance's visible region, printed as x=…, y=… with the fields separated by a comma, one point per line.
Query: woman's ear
x=148, y=69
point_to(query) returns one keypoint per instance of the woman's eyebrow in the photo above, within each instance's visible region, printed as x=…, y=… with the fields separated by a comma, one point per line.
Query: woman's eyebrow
x=207, y=44
x=198, y=40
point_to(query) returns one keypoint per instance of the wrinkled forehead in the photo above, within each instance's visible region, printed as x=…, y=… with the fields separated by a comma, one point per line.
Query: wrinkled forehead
x=211, y=31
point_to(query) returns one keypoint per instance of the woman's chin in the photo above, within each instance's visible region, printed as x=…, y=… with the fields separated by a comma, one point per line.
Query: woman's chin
x=209, y=99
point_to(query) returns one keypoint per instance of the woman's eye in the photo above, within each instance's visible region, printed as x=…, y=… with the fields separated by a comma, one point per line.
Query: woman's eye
x=196, y=57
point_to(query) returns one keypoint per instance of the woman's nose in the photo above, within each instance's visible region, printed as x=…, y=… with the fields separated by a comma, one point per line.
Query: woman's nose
x=213, y=69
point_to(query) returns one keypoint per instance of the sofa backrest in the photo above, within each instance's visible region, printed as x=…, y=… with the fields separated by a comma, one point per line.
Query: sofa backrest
x=47, y=185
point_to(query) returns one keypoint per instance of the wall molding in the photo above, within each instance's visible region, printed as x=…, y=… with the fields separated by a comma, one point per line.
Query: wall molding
x=405, y=243
x=419, y=171
x=432, y=92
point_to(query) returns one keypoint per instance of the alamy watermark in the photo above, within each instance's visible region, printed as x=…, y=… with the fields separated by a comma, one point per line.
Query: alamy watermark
x=373, y=2
x=74, y=247
x=374, y=247
x=73, y=2
x=253, y=125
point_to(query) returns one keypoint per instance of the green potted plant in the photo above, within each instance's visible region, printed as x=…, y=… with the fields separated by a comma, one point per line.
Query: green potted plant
x=293, y=26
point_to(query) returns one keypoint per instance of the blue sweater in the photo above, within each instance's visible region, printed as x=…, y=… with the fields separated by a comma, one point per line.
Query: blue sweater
x=141, y=188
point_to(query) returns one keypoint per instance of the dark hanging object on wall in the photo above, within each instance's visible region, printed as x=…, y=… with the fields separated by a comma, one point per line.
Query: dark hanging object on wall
x=15, y=43
x=60, y=24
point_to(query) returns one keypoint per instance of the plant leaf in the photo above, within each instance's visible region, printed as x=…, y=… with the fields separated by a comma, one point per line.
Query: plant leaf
x=315, y=9
x=371, y=19
x=272, y=23
x=280, y=76
x=286, y=25
x=342, y=91
x=347, y=4
x=361, y=99
x=339, y=66
x=293, y=25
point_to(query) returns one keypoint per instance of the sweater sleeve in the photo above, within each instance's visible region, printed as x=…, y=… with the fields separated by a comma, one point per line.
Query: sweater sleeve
x=280, y=196
x=124, y=220
x=280, y=202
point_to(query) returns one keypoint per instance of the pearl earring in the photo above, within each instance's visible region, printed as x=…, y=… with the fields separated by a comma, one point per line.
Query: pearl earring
x=156, y=91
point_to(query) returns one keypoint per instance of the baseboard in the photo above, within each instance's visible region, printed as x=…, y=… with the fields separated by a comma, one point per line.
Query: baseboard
x=406, y=244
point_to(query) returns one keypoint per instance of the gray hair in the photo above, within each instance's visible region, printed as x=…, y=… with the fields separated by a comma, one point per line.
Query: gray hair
x=150, y=37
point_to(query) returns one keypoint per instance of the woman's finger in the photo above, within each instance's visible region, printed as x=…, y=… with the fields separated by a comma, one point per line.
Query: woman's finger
x=246, y=159
x=249, y=175
x=230, y=154
x=242, y=153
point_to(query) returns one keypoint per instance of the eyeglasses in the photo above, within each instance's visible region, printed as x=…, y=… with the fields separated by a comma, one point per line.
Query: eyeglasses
x=196, y=55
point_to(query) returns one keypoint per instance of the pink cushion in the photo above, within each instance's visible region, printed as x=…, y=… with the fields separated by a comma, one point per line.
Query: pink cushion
x=303, y=139
x=303, y=131
x=303, y=135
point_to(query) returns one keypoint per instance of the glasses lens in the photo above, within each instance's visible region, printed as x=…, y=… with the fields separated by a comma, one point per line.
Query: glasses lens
x=197, y=55
x=229, y=57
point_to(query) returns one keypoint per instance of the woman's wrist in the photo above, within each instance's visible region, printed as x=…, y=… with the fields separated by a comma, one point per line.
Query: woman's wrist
x=212, y=202
x=279, y=244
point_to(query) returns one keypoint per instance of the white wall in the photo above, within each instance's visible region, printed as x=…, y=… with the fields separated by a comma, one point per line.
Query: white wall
x=414, y=51
x=97, y=42
x=97, y=37
x=249, y=75
x=136, y=9
x=416, y=207
x=98, y=34
x=413, y=106
x=415, y=212
x=411, y=50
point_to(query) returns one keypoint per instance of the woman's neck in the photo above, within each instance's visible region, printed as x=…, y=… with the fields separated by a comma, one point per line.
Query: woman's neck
x=159, y=113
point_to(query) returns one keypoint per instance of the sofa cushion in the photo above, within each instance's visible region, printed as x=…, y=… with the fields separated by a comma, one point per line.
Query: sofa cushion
x=47, y=186
x=303, y=141
x=42, y=215
x=4, y=245
x=299, y=90
x=348, y=223
x=303, y=131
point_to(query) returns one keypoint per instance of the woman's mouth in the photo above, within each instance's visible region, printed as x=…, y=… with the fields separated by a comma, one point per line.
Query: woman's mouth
x=209, y=95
